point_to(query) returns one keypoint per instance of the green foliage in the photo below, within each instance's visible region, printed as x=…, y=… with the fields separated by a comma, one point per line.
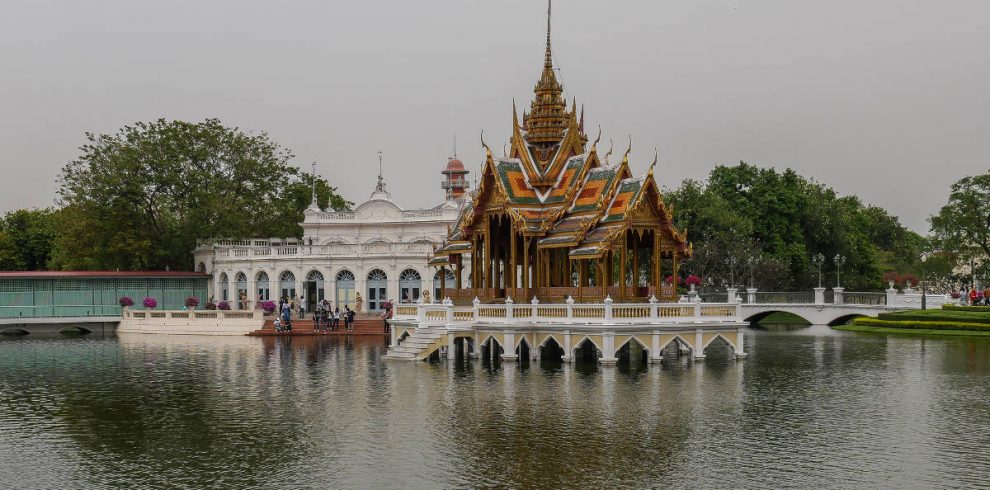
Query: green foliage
x=140, y=199
x=962, y=226
x=779, y=220
x=26, y=239
x=936, y=315
x=979, y=309
x=927, y=325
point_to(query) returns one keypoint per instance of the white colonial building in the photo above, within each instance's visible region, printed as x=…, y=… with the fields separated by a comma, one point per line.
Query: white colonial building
x=378, y=251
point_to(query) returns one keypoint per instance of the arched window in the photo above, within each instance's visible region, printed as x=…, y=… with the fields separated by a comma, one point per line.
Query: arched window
x=287, y=285
x=241, y=287
x=224, y=287
x=314, y=276
x=201, y=268
x=377, y=289
x=264, y=293
x=410, y=283
x=450, y=282
x=344, y=289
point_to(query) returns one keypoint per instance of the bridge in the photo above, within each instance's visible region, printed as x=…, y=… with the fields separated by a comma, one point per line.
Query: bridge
x=835, y=307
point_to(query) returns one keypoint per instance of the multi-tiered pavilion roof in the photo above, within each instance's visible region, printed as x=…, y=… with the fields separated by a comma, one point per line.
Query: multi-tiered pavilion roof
x=553, y=218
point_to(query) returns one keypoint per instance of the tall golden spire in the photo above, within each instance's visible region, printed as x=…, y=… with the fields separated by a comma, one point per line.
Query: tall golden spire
x=547, y=118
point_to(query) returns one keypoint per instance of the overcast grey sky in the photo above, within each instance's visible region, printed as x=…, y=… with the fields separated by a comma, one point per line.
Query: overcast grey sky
x=885, y=99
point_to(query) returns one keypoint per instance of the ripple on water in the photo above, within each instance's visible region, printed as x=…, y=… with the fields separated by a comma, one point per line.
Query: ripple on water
x=808, y=408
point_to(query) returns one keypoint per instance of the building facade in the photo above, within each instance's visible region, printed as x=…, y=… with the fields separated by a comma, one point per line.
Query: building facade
x=359, y=258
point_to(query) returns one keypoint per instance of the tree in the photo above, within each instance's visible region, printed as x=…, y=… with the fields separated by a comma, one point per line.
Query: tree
x=962, y=226
x=26, y=239
x=778, y=220
x=140, y=199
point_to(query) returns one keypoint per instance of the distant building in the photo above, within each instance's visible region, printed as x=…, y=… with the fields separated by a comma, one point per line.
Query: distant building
x=379, y=250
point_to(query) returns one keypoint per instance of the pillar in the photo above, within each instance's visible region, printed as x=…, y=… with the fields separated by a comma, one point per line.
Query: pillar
x=635, y=260
x=608, y=349
x=512, y=260
x=488, y=283
x=567, y=347
x=525, y=267
x=510, y=346
x=443, y=283
x=740, y=350
x=655, y=354
x=699, y=346
x=837, y=292
x=819, y=296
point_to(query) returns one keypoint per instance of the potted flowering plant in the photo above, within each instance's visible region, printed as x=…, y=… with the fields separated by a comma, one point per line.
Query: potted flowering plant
x=223, y=305
x=693, y=281
x=192, y=302
x=210, y=305
x=268, y=307
x=126, y=302
x=150, y=303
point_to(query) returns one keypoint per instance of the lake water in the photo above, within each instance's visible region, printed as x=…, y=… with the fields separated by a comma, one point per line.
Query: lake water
x=809, y=407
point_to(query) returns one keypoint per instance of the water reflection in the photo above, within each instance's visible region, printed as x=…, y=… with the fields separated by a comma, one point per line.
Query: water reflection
x=809, y=407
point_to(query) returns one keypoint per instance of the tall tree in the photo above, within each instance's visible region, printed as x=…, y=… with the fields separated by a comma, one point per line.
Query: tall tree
x=962, y=226
x=139, y=199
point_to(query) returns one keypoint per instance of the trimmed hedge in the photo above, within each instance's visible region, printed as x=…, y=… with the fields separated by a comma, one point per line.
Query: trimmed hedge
x=907, y=317
x=980, y=309
x=910, y=325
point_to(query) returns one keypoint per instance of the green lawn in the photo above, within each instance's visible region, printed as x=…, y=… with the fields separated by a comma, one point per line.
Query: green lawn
x=911, y=331
x=938, y=314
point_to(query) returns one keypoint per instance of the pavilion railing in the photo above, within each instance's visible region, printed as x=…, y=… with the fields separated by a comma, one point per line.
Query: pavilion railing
x=570, y=312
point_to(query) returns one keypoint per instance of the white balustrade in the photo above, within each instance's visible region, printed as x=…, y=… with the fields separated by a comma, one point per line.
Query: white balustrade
x=571, y=313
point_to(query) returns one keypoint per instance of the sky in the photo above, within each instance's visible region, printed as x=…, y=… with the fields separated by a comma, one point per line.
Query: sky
x=888, y=100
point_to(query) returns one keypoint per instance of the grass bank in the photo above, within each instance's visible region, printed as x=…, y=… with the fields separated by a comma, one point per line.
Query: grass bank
x=910, y=331
x=926, y=322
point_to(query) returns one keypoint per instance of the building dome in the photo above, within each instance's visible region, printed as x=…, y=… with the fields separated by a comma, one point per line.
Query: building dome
x=454, y=165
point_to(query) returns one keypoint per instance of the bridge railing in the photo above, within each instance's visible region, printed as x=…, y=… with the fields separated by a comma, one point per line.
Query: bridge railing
x=867, y=299
x=59, y=311
x=782, y=297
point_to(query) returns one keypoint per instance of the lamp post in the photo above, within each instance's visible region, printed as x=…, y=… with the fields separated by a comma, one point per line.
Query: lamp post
x=818, y=260
x=839, y=261
x=732, y=271
x=924, y=296
x=752, y=263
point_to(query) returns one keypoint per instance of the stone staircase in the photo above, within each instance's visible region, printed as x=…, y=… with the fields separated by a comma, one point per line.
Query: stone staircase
x=419, y=345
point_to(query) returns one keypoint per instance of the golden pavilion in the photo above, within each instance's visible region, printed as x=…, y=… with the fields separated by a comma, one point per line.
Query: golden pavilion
x=554, y=219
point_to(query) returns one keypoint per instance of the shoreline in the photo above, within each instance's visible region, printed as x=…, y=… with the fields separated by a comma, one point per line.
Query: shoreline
x=911, y=331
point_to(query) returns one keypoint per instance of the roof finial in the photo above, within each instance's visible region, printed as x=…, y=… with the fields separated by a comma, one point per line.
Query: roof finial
x=313, y=174
x=656, y=156
x=625, y=157
x=455, y=146
x=548, y=61
x=488, y=150
x=380, y=187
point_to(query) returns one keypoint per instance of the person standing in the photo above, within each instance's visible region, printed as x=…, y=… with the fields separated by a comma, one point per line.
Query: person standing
x=335, y=320
x=973, y=296
x=350, y=319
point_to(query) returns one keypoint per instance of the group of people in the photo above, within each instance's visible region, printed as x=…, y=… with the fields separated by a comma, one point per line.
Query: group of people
x=327, y=317
x=975, y=297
